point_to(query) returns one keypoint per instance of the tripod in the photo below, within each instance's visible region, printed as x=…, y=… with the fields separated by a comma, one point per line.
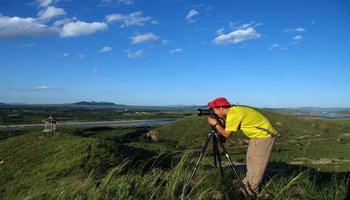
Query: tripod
x=217, y=142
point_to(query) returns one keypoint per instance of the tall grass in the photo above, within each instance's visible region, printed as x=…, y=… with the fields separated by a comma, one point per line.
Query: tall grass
x=137, y=182
x=306, y=185
x=125, y=182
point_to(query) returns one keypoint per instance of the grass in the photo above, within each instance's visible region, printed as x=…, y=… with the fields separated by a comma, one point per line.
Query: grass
x=66, y=166
x=306, y=185
x=303, y=141
x=37, y=163
x=121, y=163
x=171, y=184
x=137, y=184
x=40, y=163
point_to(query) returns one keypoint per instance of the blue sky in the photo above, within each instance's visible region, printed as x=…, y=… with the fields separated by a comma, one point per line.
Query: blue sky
x=272, y=53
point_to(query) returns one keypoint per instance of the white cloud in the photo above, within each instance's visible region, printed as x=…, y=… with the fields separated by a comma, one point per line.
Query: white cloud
x=65, y=55
x=175, y=51
x=148, y=37
x=298, y=38
x=114, y=17
x=126, y=2
x=246, y=25
x=35, y=89
x=135, y=54
x=50, y=12
x=277, y=46
x=79, y=28
x=237, y=36
x=133, y=19
x=191, y=14
x=44, y=3
x=14, y=27
x=300, y=29
x=274, y=46
x=220, y=31
x=117, y=2
x=240, y=25
x=61, y=22
x=105, y=49
x=44, y=87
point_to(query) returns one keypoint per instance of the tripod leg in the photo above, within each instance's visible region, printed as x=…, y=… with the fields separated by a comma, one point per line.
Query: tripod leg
x=200, y=156
x=220, y=166
x=217, y=158
x=215, y=150
x=232, y=165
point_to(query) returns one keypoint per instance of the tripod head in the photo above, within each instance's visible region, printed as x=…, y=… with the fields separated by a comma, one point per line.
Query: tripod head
x=221, y=137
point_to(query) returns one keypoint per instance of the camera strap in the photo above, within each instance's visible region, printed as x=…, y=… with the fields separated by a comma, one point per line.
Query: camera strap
x=266, y=130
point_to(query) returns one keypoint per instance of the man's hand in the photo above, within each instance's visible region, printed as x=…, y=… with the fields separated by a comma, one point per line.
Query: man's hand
x=215, y=122
x=212, y=121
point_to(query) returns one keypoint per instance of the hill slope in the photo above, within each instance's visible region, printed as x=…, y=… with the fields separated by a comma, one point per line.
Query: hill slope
x=191, y=131
x=79, y=163
x=319, y=143
x=37, y=164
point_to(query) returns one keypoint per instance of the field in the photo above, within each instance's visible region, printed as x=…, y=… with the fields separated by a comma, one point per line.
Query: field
x=34, y=114
x=310, y=160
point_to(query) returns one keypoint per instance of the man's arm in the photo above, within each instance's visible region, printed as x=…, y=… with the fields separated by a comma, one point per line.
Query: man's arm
x=214, y=122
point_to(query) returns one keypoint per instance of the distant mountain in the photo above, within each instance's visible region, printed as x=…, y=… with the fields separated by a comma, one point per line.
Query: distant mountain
x=93, y=103
x=312, y=110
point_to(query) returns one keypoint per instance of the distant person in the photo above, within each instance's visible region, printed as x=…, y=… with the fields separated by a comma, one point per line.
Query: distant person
x=256, y=127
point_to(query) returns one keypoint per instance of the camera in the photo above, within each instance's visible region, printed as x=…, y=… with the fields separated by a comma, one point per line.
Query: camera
x=209, y=111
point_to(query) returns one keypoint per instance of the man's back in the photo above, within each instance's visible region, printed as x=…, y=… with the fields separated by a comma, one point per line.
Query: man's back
x=250, y=121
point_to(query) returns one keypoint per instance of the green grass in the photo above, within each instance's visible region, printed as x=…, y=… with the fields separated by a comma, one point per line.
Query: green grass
x=65, y=166
x=317, y=143
x=121, y=163
x=37, y=163
x=123, y=182
x=326, y=155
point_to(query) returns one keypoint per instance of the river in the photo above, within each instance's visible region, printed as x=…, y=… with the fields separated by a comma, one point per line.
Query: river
x=101, y=123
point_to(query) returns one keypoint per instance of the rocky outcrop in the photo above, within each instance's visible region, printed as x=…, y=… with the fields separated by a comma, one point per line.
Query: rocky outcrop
x=153, y=135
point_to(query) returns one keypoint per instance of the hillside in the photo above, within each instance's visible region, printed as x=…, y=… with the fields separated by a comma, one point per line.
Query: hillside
x=122, y=163
x=37, y=165
x=189, y=131
x=319, y=143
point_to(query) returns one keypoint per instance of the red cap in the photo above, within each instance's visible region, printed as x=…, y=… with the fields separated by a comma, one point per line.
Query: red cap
x=219, y=102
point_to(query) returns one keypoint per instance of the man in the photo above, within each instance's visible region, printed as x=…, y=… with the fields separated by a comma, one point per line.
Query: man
x=256, y=127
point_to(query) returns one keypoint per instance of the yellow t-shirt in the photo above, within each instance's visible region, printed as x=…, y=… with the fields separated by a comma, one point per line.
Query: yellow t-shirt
x=251, y=122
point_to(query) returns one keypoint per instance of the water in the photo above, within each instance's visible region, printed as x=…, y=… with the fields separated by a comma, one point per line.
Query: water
x=325, y=115
x=103, y=123
x=114, y=123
